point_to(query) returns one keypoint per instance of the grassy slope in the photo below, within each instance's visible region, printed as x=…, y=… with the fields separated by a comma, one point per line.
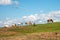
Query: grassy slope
x=51, y=27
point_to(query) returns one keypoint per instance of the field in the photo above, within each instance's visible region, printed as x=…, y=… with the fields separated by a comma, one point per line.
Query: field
x=49, y=31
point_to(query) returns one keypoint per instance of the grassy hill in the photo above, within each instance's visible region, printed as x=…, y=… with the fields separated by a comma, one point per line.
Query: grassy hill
x=19, y=31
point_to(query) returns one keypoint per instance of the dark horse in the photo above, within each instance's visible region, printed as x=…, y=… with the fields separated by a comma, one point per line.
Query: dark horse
x=49, y=20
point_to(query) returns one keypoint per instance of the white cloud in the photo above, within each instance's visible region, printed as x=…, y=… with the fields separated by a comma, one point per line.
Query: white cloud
x=5, y=2
x=8, y=2
x=10, y=21
x=55, y=15
x=37, y=18
x=42, y=18
x=31, y=18
x=0, y=22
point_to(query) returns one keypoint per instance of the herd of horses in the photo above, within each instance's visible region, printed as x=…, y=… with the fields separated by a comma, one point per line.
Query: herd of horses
x=29, y=23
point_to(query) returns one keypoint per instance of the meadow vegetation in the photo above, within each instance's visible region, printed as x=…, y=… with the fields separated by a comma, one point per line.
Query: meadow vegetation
x=49, y=27
x=49, y=31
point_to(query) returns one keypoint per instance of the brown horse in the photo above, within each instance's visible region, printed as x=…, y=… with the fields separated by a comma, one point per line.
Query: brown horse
x=28, y=23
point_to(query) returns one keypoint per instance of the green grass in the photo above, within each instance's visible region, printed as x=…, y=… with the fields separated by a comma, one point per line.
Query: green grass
x=49, y=27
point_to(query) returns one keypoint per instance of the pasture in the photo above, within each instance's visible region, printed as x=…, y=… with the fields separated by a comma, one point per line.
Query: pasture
x=43, y=29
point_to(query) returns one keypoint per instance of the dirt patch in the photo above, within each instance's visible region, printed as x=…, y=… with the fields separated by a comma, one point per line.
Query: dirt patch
x=35, y=36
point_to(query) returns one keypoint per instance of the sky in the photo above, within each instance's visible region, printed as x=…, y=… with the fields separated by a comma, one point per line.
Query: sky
x=15, y=11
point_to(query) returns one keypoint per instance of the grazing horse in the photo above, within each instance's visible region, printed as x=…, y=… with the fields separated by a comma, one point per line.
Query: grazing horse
x=6, y=26
x=28, y=23
x=20, y=24
x=50, y=21
x=14, y=25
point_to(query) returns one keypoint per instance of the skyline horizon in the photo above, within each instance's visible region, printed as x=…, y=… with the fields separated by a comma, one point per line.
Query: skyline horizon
x=13, y=11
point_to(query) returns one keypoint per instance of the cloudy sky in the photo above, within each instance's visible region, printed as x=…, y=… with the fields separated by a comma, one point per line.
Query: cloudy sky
x=15, y=11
